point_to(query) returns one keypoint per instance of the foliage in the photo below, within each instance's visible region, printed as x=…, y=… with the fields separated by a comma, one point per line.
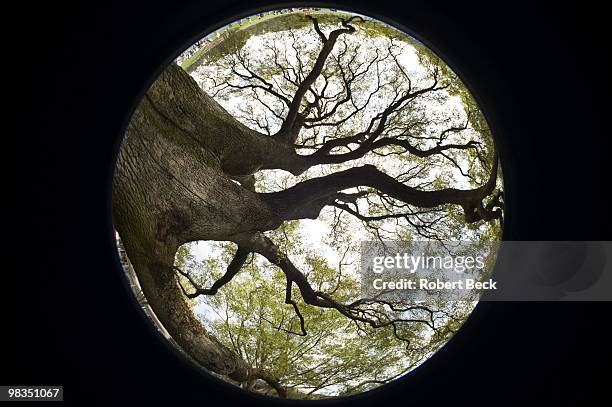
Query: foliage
x=337, y=356
x=344, y=92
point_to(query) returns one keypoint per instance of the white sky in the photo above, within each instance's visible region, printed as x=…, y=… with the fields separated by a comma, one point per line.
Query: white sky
x=315, y=234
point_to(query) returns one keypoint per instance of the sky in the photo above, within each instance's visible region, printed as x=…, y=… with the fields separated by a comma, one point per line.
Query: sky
x=315, y=235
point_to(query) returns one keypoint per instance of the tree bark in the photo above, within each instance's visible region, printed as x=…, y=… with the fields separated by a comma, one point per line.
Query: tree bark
x=170, y=188
x=239, y=150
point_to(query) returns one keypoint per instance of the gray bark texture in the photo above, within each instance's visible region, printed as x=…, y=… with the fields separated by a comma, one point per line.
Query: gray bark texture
x=172, y=185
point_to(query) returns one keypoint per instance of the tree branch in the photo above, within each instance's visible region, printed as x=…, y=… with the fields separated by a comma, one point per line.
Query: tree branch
x=232, y=269
x=307, y=198
x=273, y=382
x=376, y=318
x=294, y=120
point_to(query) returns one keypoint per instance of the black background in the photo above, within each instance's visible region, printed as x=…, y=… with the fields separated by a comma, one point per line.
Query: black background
x=539, y=72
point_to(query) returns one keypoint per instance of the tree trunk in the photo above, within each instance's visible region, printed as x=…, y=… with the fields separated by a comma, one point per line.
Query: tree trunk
x=171, y=186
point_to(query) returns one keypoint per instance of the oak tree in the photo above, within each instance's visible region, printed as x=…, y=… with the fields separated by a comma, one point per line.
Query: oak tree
x=304, y=116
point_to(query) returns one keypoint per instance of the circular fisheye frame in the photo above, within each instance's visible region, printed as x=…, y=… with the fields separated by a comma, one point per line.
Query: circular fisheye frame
x=254, y=169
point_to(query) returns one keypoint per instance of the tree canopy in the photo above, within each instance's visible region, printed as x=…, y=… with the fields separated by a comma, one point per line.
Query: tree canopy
x=289, y=142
